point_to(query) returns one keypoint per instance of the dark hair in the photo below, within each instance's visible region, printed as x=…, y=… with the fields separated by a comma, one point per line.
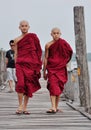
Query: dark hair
x=11, y=41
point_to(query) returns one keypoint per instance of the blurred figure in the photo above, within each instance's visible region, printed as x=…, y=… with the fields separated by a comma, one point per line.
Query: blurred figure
x=10, y=65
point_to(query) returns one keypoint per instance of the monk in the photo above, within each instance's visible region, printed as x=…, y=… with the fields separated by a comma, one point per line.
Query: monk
x=28, y=54
x=57, y=54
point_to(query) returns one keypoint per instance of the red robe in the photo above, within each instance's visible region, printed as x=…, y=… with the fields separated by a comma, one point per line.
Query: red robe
x=28, y=64
x=60, y=54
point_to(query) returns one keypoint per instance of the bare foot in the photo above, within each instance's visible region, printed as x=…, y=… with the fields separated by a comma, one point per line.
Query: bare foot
x=59, y=110
x=51, y=111
x=19, y=110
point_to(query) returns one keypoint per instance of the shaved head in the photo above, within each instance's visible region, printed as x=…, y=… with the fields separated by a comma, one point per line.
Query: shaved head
x=24, y=26
x=55, y=29
x=24, y=21
x=55, y=33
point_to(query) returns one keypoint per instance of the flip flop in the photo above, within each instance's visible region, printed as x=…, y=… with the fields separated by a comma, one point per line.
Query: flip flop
x=10, y=91
x=26, y=113
x=51, y=111
x=59, y=110
x=19, y=112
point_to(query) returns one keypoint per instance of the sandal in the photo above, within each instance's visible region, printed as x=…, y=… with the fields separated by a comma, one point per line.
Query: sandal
x=26, y=113
x=18, y=112
x=51, y=111
x=10, y=91
x=59, y=110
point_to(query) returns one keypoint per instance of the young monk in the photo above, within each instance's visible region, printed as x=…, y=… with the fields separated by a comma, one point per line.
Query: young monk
x=57, y=54
x=28, y=64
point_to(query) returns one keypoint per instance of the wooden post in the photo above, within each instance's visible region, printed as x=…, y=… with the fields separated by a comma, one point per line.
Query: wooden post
x=2, y=67
x=81, y=56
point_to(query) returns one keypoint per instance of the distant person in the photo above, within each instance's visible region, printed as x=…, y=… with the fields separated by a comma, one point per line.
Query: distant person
x=28, y=65
x=10, y=65
x=57, y=54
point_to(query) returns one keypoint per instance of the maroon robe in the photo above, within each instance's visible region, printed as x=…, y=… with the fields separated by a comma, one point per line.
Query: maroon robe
x=60, y=54
x=28, y=64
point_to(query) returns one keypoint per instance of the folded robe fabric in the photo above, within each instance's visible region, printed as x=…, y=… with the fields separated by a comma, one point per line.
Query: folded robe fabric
x=28, y=64
x=60, y=54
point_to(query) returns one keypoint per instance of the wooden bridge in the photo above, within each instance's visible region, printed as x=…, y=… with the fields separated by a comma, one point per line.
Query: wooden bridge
x=68, y=119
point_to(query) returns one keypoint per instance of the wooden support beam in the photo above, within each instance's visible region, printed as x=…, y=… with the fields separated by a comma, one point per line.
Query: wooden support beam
x=81, y=56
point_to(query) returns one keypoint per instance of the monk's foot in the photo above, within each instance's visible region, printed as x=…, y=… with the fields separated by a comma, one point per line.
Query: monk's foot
x=19, y=110
x=59, y=110
x=51, y=111
x=26, y=112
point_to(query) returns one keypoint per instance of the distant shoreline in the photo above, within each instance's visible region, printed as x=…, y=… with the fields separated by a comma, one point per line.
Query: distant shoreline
x=88, y=57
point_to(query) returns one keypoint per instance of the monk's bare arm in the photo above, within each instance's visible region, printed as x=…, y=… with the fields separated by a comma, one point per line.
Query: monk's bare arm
x=45, y=61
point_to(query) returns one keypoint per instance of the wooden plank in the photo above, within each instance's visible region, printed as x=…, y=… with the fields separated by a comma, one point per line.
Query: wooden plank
x=39, y=119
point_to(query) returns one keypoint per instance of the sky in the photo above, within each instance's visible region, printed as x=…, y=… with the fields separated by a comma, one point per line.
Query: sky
x=42, y=15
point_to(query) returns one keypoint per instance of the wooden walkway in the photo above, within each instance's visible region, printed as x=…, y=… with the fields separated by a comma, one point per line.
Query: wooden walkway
x=39, y=119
